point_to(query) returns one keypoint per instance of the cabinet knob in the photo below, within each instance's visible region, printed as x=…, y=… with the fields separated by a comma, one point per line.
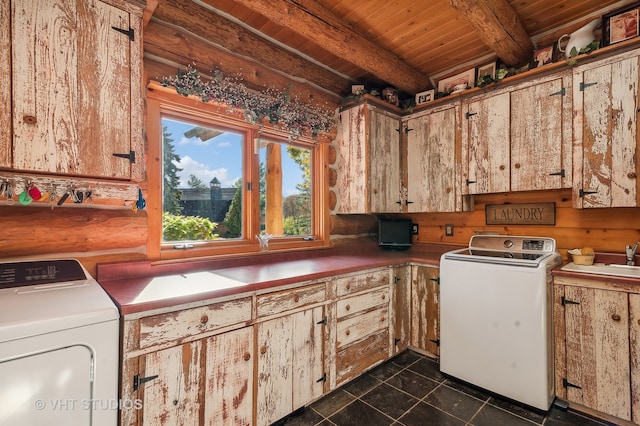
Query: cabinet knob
x=615, y=317
x=348, y=286
x=381, y=319
x=384, y=296
x=347, y=307
x=347, y=332
x=263, y=350
x=632, y=175
x=502, y=167
x=296, y=298
x=517, y=165
x=247, y=356
x=204, y=319
x=30, y=119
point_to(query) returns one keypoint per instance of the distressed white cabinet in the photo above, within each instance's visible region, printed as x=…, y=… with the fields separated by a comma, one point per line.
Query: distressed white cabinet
x=362, y=311
x=594, y=364
x=369, y=176
x=518, y=138
x=290, y=363
x=74, y=80
x=425, y=309
x=401, y=316
x=190, y=365
x=433, y=160
x=606, y=133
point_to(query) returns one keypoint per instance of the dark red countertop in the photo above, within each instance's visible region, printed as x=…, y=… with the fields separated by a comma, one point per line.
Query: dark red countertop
x=141, y=286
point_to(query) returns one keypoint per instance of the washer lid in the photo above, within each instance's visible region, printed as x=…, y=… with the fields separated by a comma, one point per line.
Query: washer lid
x=41, y=297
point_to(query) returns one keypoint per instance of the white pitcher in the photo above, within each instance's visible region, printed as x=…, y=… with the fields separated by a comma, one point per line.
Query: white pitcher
x=580, y=38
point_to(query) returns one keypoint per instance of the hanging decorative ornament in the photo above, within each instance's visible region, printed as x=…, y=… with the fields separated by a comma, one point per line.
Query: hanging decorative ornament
x=24, y=198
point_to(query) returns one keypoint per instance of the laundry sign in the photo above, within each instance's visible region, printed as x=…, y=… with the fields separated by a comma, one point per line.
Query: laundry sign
x=521, y=214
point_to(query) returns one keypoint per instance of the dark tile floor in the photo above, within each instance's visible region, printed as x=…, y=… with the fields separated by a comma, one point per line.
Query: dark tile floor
x=409, y=390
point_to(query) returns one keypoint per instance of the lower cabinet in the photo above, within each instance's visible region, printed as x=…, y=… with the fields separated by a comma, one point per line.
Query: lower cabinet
x=362, y=311
x=290, y=363
x=597, y=347
x=425, y=311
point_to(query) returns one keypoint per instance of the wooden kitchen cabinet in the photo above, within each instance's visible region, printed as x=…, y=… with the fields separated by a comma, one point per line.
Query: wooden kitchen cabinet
x=369, y=160
x=518, y=138
x=606, y=132
x=75, y=86
x=593, y=360
x=425, y=311
x=401, y=317
x=362, y=325
x=433, y=160
x=290, y=363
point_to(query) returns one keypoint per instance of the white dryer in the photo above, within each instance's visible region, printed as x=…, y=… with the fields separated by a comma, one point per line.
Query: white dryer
x=59, y=346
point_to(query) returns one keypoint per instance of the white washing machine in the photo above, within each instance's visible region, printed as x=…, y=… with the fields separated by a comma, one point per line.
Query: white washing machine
x=59, y=346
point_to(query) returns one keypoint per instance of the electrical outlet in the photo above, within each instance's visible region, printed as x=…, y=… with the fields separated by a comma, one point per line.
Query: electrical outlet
x=414, y=229
x=448, y=230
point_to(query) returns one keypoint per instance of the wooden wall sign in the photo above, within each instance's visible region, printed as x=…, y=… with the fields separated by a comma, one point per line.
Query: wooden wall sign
x=521, y=214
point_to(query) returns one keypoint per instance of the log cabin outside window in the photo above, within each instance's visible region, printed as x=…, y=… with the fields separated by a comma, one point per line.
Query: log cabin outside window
x=221, y=182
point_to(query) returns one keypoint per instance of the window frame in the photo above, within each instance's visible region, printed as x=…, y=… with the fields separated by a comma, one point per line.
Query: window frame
x=165, y=102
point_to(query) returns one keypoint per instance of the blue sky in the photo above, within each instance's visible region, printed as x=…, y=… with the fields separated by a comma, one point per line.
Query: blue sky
x=220, y=157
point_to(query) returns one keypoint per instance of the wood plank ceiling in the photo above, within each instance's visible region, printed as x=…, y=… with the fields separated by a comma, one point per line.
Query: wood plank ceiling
x=324, y=46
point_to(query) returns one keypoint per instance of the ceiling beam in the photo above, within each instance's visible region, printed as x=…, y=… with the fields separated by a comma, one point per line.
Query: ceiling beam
x=499, y=27
x=195, y=21
x=321, y=27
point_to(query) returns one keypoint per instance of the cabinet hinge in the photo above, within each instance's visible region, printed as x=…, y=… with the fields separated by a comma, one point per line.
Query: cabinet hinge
x=322, y=379
x=469, y=182
x=130, y=32
x=469, y=114
x=407, y=202
x=407, y=130
x=137, y=380
x=561, y=92
x=396, y=341
x=435, y=280
x=323, y=321
x=436, y=341
x=560, y=173
x=396, y=279
x=131, y=156
x=567, y=384
x=585, y=85
x=566, y=301
x=582, y=193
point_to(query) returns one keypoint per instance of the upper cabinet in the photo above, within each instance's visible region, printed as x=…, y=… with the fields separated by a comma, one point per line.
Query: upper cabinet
x=74, y=80
x=369, y=161
x=518, y=138
x=606, y=132
x=433, y=160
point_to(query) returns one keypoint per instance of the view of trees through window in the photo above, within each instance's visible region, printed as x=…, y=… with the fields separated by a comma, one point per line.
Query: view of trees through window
x=203, y=175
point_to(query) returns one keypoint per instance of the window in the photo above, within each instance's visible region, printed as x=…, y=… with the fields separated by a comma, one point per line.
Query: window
x=221, y=182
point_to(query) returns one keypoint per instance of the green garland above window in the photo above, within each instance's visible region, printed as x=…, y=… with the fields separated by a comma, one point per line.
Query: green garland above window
x=276, y=107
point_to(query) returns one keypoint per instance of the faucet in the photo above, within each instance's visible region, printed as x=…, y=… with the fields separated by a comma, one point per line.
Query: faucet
x=631, y=252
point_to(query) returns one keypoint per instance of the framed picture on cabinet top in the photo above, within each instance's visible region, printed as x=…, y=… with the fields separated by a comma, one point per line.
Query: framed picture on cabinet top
x=425, y=97
x=621, y=24
x=457, y=83
x=543, y=56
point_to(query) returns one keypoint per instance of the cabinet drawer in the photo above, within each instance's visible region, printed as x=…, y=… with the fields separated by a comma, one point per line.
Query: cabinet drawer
x=282, y=301
x=190, y=322
x=354, y=360
x=360, y=326
x=362, y=302
x=360, y=282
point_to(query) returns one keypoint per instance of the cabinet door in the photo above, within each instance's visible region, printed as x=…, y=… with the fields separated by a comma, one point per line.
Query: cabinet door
x=431, y=162
x=352, y=162
x=72, y=88
x=384, y=161
x=485, y=144
x=540, y=144
x=606, y=105
x=425, y=309
x=597, y=349
x=400, y=317
x=229, y=379
x=290, y=364
x=634, y=345
x=174, y=397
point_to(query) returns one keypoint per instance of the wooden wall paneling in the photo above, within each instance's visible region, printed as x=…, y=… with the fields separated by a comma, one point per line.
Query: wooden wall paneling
x=6, y=134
